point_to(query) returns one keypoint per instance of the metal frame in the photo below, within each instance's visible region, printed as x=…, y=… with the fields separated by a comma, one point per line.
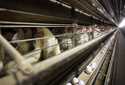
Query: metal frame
x=48, y=67
x=41, y=11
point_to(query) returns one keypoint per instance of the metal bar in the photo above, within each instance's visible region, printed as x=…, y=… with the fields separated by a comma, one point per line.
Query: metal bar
x=18, y=58
x=31, y=23
x=27, y=26
x=44, y=70
x=40, y=38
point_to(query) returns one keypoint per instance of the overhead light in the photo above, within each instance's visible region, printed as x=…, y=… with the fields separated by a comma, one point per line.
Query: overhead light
x=122, y=23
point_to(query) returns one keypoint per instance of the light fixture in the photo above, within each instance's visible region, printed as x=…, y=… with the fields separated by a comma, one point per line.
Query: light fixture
x=122, y=23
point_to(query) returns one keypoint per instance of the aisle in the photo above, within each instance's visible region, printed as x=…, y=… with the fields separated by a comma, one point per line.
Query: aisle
x=118, y=70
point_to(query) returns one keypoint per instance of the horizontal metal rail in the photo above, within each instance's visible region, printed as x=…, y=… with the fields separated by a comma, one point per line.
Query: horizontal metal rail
x=48, y=70
x=30, y=24
x=19, y=26
x=42, y=38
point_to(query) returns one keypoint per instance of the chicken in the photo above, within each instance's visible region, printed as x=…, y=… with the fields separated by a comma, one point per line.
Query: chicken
x=23, y=47
x=49, y=45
